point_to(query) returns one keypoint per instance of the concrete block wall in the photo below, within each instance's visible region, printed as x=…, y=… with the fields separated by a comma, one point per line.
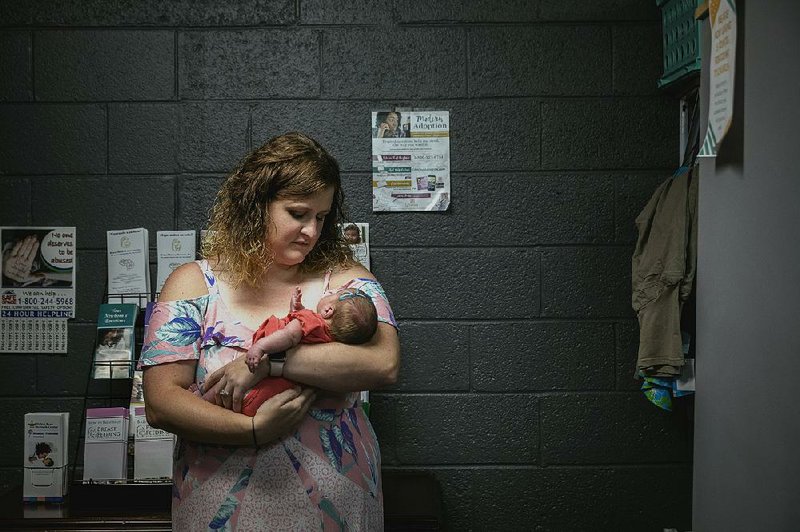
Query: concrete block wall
x=517, y=333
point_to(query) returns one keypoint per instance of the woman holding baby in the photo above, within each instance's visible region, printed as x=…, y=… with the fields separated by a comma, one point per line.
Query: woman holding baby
x=308, y=459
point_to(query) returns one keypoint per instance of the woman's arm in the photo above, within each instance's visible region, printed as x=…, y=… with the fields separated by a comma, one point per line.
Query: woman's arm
x=332, y=366
x=170, y=406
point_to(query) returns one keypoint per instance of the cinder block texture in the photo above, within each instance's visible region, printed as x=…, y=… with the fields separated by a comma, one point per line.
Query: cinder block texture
x=453, y=227
x=467, y=429
x=525, y=210
x=23, y=369
x=362, y=12
x=434, y=357
x=146, y=13
x=67, y=374
x=51, y=139
x=104, y=65
x=459, y=11
x=213, y=135
x=143, y=138
x=566, y=499
x=495, y=135
x=536, y=356
x=540, y=60
x=90, y=280
x=591, y=282
x=471, y=283
x=15, y=201
x=610, y=429
x=408, y=63
x=525, y=499
x=609, y=133
x=93, y=205
x=249, y=64
x=637, y=48
x=343, y=128
x=632, y=194
x=597, y=11
x=16, y=80
x=195, y=198
x=634, y=510
x=383, y=417
x=627, y=333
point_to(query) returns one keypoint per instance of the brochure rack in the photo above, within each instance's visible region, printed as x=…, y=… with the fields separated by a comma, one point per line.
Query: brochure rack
x=108, y=392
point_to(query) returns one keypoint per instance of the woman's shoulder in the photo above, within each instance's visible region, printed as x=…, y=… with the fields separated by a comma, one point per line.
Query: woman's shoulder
x=348, y=272
x=185, y=282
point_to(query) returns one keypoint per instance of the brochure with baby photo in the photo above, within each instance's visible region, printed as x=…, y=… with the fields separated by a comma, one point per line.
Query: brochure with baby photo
x=174, y=248
x=114, y=348
x=46, y=456
x=357, y=236
x=128, y=266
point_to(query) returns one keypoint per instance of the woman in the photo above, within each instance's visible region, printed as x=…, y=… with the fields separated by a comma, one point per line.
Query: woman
x=387, y=125
x=309, y=457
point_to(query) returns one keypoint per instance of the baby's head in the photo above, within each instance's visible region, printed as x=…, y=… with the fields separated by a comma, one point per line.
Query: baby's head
x=350, y=314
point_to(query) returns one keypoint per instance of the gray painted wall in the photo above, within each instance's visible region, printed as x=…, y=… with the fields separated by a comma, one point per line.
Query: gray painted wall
x=748, y=300
x=517, y=333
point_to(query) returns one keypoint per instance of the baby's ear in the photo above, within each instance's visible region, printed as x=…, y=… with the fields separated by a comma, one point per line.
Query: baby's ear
x=328, y=310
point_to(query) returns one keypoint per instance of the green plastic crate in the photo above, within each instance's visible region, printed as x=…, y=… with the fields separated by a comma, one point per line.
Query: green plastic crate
x=681, y=36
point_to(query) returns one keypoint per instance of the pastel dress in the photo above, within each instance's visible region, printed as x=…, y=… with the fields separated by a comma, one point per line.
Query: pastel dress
x=325, y=476
x=314, y=330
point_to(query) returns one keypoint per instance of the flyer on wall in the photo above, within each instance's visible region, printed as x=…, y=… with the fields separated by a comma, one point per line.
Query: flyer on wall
x=357, y=236
x=37, y=285
x=410, y=160
x=722, y=14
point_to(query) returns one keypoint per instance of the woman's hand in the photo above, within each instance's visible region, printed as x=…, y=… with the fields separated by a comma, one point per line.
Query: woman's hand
x=280, y=415
x=230, y=383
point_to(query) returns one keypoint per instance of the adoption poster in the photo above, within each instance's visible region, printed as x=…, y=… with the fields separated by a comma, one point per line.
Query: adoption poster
x=410, y=160
x=37, y=285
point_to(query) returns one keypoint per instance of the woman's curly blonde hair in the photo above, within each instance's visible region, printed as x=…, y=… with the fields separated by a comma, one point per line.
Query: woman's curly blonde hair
x=288, y=166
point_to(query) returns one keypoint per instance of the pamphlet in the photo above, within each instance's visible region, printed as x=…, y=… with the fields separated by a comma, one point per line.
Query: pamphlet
x=114, y=352
x=105, y=455
x=128, y=266
x=152, y=449
x=46, y=456
x=174, y=248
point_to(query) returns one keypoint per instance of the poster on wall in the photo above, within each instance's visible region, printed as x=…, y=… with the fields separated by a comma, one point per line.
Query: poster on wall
x=722, y=14
x=410, y=160
x=37, y=288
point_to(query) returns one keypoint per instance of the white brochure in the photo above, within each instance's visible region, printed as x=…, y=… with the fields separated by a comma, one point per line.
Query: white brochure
x=174, y=248
x=129, y=266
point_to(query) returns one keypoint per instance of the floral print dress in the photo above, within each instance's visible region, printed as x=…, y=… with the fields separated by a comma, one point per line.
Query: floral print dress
x=326, y=476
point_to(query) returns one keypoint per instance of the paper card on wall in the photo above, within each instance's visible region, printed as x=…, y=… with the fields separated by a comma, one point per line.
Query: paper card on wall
x=173, y=248
x=38, y=288
x=357, y=236
x=722, y=15
x=410, y=160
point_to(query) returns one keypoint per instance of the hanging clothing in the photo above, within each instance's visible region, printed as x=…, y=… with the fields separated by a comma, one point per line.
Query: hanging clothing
x=663, y=271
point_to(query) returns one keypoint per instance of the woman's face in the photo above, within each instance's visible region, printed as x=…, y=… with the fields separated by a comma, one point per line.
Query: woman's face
x=295, y=225
x=392, y=121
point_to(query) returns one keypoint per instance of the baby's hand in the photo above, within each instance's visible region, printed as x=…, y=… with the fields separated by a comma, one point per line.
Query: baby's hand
x=297, y=299
x=253, y=358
